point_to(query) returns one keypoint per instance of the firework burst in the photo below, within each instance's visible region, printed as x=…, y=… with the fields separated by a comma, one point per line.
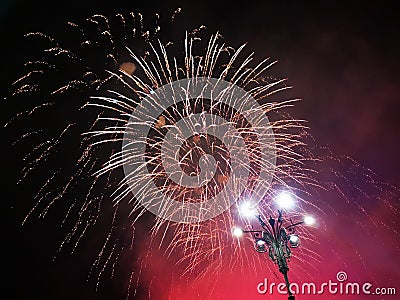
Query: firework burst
x=144, y=128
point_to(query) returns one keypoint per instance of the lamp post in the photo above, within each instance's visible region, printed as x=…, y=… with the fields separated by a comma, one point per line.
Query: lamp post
x=277, y=240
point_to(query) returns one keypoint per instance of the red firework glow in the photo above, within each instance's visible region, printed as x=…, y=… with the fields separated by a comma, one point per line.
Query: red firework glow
x=87, y=86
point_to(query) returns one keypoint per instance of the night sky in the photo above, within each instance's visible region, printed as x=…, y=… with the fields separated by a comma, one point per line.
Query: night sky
x=342, y=61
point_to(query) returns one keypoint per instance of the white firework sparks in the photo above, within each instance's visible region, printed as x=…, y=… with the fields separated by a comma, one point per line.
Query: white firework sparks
x=200, y=165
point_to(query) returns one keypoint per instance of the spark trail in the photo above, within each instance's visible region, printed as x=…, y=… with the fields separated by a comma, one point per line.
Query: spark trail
x=118, y=67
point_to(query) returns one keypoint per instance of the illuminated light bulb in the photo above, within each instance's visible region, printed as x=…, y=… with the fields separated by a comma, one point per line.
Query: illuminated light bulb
x=238, y=232
x=285, y=200
x=294, y=241
x=260, y=243
x=247, y=210
x=309, y=220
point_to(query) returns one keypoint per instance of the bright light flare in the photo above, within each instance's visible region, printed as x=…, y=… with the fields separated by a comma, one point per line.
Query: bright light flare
x=285, y=200
x=294, y=239
x=238, y=232
x=309, y=220
x=260, y=243
x=248, y=210
x=261, y=246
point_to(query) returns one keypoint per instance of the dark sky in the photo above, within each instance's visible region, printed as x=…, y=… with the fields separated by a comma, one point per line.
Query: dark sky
x=341, y=59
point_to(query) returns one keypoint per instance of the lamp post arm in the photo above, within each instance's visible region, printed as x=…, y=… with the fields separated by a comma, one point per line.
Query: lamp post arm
x=251, y=231
x=262, y=223
x=295, y=224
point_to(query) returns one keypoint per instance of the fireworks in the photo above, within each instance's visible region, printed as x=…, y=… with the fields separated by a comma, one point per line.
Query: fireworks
x=190, y=138
x=185, y=130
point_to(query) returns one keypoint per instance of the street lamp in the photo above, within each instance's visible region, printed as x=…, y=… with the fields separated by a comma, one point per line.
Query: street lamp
x=285, y=200
x=277, y=241
x=247, y=210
